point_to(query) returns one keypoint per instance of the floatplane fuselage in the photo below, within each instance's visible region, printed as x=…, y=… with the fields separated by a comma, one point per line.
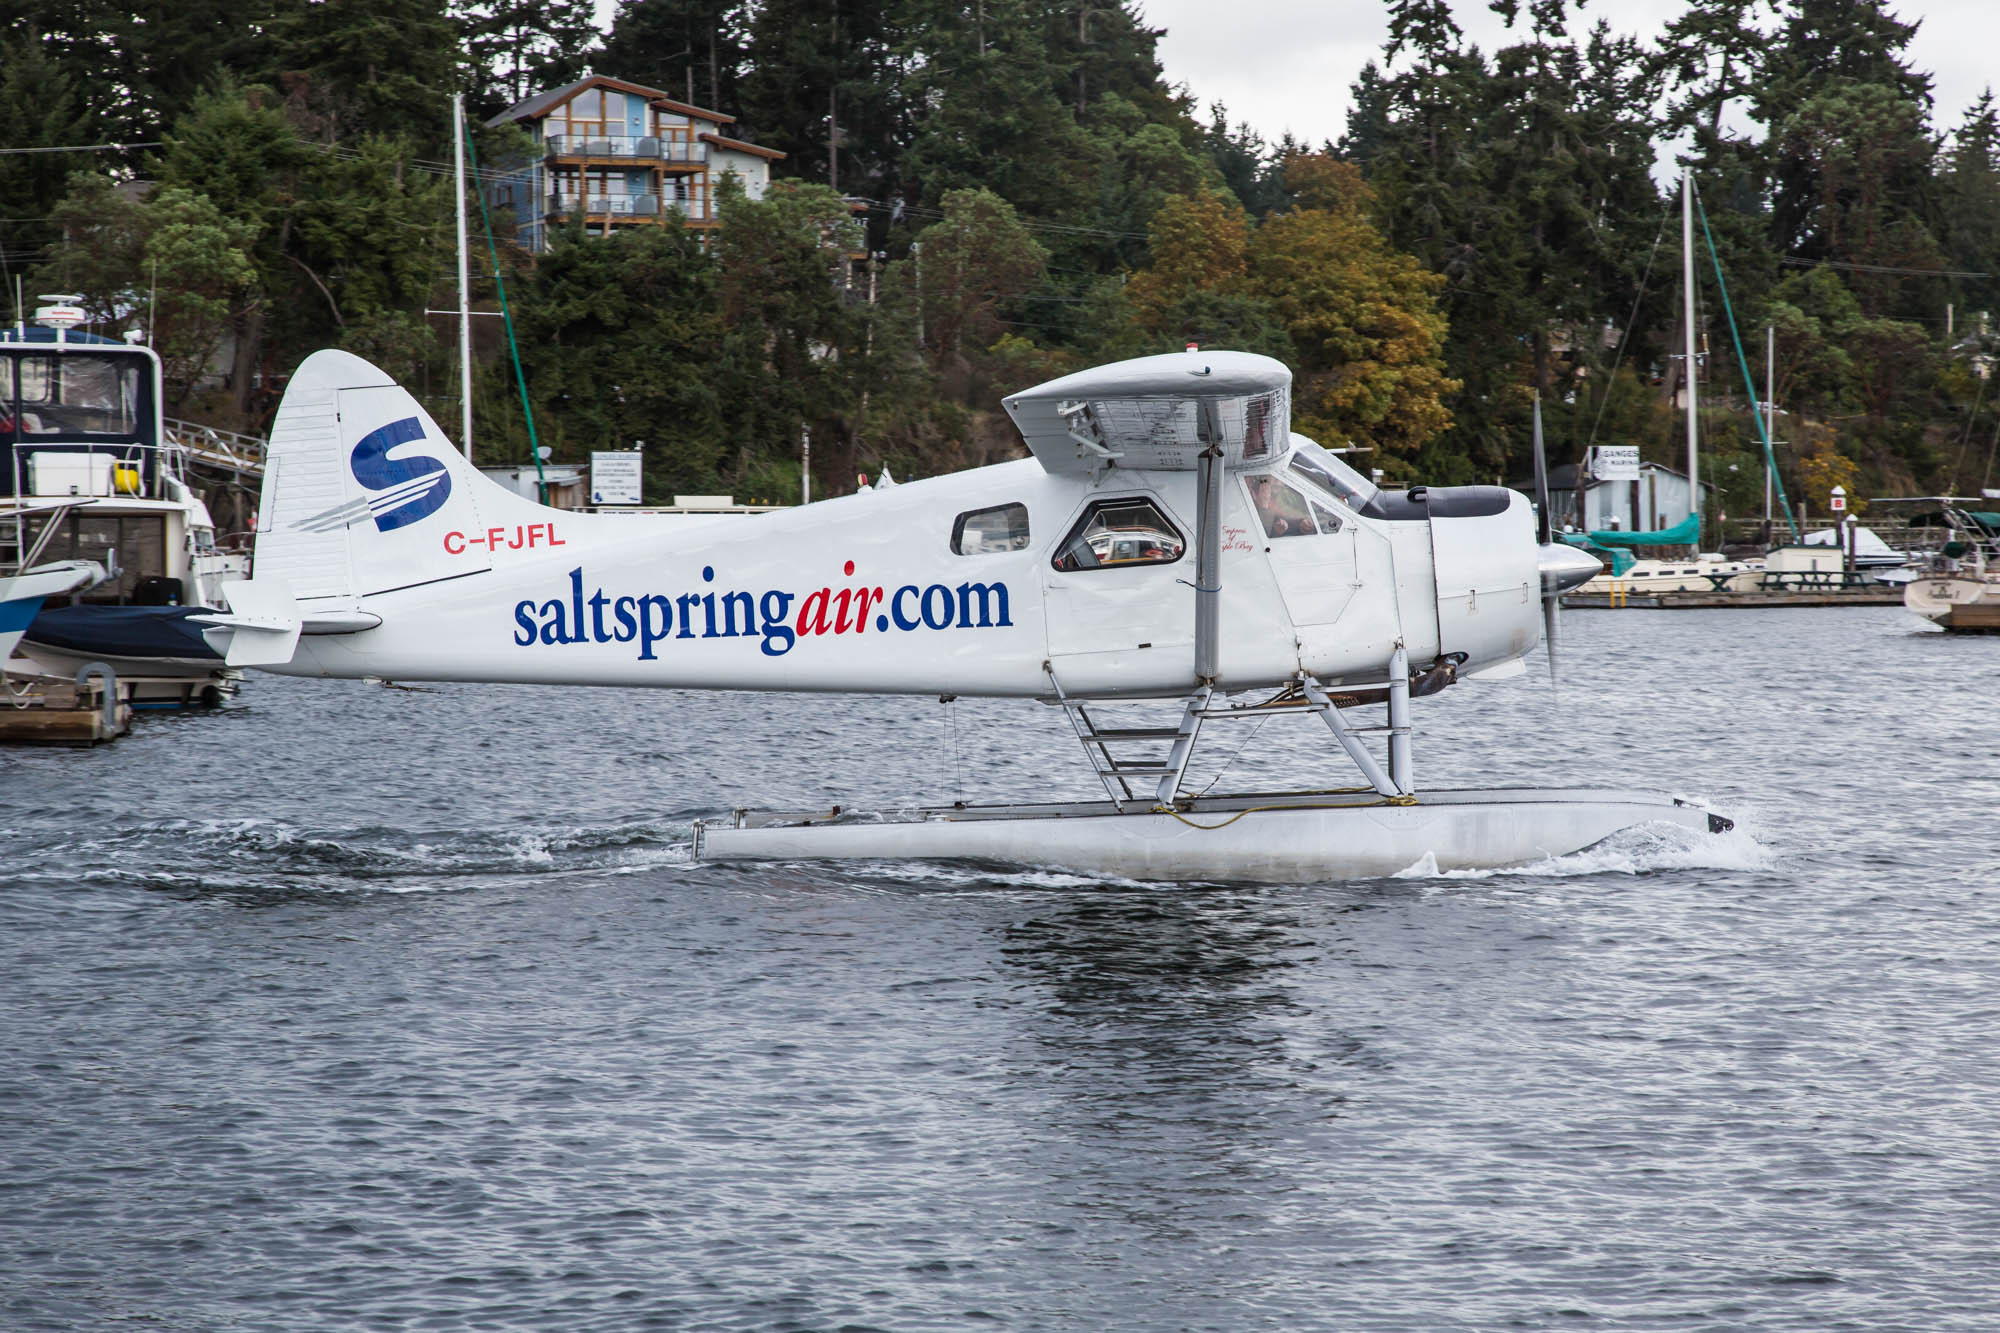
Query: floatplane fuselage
x=1170, y=537
x=985, y=582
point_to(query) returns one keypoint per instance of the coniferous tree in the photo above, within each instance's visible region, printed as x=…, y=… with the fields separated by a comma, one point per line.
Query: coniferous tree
x=690, y=49
x=39, y=108
x=521, y=47
x=365, y=67
x=616, y=336
x=1970, y=189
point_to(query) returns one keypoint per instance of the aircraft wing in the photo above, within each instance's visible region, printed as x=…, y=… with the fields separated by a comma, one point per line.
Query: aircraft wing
x=1158, y=413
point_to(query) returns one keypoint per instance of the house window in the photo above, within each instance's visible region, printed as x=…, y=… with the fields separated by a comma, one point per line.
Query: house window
x=585, y=113
x=1132, y=531
x=983, y=531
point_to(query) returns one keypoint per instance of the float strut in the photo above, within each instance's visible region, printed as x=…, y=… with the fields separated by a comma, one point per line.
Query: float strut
x=1349, y=742
x=1399, y=722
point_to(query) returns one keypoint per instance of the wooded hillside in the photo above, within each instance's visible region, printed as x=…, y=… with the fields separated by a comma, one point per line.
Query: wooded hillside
x=1034, y=197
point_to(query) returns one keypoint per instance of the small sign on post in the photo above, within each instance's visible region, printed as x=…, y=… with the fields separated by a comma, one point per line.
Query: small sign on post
x=614, y=477
x=1615, y=462
x=1839, y=499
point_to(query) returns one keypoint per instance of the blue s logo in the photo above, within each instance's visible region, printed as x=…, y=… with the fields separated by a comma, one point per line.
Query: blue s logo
x=407, y=489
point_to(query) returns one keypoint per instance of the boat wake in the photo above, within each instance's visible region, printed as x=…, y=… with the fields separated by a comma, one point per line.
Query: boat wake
x=272, y=856
x=1641, y=850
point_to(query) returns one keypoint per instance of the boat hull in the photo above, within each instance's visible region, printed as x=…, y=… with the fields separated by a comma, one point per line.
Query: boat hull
x=1938, y=598
x=1288, y=838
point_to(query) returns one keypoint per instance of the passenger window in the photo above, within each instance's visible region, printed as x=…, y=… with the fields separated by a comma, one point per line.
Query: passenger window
x=1120, y=532
x=1283, y=511
x=1329, y=522
x=984, y=531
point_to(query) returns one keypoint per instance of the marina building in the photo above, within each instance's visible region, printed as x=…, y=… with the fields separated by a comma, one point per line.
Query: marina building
x=1654, y=501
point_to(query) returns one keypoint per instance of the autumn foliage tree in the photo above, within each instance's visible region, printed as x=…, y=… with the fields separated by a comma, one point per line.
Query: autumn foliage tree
x=1363, y=318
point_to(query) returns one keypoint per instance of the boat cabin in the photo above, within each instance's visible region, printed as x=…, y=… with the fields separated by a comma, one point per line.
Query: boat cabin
x=81, y=432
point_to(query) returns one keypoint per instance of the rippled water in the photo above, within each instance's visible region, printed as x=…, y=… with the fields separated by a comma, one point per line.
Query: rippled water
x=350, y=1007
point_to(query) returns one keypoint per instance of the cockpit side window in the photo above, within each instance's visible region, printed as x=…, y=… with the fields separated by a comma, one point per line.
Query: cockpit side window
x=984, y=531
x=1327, y=472
x=1131, y=531
x=1280, y=507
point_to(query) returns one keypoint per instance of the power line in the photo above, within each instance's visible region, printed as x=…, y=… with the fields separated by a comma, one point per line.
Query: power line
x=83, y=148
x=1883, y=268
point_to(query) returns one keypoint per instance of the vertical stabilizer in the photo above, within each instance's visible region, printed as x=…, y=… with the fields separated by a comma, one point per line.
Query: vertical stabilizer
x=360, y=489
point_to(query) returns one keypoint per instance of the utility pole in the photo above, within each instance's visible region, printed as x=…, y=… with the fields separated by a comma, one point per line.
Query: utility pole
x=805, y=465
x=833, y=110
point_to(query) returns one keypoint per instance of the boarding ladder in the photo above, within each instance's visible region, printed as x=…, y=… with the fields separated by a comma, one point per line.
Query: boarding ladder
x=1151, y=778
x=1111, y=756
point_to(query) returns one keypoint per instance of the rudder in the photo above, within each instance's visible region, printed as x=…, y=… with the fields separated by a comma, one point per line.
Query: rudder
x=359, y=487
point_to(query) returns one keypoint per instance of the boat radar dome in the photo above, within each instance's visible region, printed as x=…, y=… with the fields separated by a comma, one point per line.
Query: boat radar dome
x=65, y=311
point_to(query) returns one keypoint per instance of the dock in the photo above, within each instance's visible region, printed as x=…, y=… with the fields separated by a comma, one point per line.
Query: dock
x=1879, y=595
x=48, y=710
x=1972, y=620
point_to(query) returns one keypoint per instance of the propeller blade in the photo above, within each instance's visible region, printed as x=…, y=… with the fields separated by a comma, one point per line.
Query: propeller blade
x=1544, y=528
x=1562, y=567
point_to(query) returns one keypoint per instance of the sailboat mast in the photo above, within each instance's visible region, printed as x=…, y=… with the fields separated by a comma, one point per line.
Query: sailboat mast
x=1687, y=322
x=464, y=281
x=1770, y=413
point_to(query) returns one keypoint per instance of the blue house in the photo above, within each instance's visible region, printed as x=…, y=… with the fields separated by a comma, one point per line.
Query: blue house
x=625, y=155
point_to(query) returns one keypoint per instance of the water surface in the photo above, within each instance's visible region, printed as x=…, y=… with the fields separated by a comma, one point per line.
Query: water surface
x=356, y=1008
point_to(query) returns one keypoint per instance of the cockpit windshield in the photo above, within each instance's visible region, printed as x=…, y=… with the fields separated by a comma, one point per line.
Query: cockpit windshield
x=1325, y=470
x=74, y=394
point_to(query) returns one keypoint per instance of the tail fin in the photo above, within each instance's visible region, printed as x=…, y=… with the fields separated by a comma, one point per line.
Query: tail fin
x=361, y=489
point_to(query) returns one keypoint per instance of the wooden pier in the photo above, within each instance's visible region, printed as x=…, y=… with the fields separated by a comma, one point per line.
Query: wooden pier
x=1876, y=595
x=48, y=710
x=1972, y=620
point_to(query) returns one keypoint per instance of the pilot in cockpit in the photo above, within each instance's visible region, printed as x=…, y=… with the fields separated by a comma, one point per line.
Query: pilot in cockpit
x=1282, y=509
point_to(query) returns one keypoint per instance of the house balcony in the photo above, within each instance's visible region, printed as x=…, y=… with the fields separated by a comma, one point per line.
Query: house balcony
x=624, y=149
x=627, y=208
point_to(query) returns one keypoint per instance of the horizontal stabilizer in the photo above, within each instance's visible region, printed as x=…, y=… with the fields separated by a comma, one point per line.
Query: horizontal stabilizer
x=261, y=627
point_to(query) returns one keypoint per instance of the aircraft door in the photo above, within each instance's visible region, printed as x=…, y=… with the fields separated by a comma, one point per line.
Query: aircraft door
x=1119, y=595
x=1311, y=545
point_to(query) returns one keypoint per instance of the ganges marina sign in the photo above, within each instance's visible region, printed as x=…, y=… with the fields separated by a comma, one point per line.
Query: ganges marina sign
x=650, y=619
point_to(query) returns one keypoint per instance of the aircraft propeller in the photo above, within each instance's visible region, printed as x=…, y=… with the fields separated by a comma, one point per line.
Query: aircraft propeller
x=1562, y=566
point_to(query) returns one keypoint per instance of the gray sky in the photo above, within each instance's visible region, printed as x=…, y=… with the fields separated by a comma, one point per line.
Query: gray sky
x=1287, y=64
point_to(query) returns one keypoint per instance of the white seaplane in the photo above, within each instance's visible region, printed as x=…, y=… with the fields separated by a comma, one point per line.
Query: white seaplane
x=1170, y=539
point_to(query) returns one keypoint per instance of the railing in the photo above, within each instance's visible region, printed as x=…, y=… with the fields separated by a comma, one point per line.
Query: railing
x=241, y=454
x=648, y=147
x=626, y=205
x=637, y=205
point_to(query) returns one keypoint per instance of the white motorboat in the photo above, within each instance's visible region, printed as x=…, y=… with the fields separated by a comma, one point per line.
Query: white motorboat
x=1959, y=585
x=1707, y=572
x=88, y=477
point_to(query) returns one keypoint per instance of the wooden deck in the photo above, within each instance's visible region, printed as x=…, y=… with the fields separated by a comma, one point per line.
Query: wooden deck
x=40, y=710
x=1882, y=595
x=1972, y=620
